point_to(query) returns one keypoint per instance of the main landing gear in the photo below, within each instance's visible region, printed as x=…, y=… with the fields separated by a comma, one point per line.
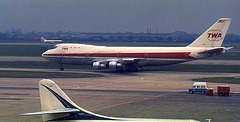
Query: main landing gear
x=131, y=69
x=128, y=69
x=61, y=67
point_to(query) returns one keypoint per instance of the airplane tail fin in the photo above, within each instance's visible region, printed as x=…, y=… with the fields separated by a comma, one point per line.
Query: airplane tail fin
x=56, y=105
x=214, y=36
x=42, y=39
x=53, y=98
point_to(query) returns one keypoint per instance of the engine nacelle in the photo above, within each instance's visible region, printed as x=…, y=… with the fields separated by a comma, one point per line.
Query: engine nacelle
x=115, y=65
x=100, y=65
x=112, y=65
x=224, y=51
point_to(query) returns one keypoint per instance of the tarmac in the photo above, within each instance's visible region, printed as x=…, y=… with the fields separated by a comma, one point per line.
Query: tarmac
x=202, y=61
x=145, y=94
x=153, y=94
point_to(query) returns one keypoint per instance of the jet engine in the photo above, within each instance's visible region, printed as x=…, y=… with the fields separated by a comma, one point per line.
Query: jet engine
x=100, y=65
x=115, y=65
x=112, y=65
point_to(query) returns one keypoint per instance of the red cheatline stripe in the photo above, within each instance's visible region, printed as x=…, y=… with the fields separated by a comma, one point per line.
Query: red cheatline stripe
x=179, y=55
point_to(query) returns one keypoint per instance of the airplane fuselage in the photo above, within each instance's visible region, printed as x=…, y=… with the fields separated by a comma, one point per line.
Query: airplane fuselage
x=80, y=54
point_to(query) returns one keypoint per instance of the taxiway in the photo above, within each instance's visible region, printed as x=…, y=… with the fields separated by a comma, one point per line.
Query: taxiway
x=151, y=94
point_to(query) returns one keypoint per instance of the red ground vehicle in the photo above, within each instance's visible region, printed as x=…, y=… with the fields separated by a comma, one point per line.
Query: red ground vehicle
x=223, y=90
x=209, y=92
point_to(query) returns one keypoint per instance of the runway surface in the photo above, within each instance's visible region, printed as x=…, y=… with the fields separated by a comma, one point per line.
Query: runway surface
x=144, y=94
x=201, y=61
x=155, y=94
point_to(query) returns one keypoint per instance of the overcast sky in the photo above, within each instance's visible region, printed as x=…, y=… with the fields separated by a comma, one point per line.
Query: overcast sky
x=192, y=16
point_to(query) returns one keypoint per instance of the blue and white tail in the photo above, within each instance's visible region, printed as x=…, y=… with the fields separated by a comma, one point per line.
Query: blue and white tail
x=56, y=105
x=214, y=36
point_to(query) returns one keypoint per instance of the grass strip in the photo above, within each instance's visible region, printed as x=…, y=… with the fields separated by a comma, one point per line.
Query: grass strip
x=176, y=68
x=196, y=68
x=35, y=74
x=231, y=80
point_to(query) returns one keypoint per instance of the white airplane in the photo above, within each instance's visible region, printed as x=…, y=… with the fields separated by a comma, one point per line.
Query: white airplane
x=50, y=41
x=57, y=106
x=129, y=58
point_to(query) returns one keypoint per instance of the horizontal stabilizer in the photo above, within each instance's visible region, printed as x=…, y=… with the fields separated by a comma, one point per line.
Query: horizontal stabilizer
x=216, y=50
x=58, y=111
x=228, y=48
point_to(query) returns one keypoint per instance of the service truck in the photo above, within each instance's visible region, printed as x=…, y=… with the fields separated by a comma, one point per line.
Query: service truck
x=198, y=87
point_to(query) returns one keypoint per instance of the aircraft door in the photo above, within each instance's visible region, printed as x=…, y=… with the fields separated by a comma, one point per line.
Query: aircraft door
x=146, y=55
x=119, y=55
x=186, y=55
x=87, y=55
x=64, y=50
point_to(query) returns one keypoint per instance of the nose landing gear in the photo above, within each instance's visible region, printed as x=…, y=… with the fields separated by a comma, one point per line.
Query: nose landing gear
x=61, y=67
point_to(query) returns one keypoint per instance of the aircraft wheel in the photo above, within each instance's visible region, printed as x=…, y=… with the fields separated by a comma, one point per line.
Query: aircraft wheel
x=61, y=69
x=135, y=69
x=120, y=70
x=131, y=69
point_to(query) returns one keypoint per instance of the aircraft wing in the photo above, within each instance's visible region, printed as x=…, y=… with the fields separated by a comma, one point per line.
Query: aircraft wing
x=122, y=60
x=64, y=110
x=125, y=59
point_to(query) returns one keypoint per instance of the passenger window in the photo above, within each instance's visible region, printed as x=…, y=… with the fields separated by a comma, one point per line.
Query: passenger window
x=198, y=86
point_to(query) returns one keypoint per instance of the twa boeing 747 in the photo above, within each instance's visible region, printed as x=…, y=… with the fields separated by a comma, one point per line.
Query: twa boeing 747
x=130, y=58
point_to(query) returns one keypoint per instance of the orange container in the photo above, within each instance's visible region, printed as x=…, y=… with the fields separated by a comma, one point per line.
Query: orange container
x=223, y=90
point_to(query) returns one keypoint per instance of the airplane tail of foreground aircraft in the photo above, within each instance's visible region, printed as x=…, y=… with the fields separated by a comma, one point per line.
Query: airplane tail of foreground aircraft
x=57, y=106
x=130, y=58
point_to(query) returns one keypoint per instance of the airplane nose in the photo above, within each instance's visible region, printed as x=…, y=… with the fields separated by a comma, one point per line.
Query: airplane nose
x=45, y=53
